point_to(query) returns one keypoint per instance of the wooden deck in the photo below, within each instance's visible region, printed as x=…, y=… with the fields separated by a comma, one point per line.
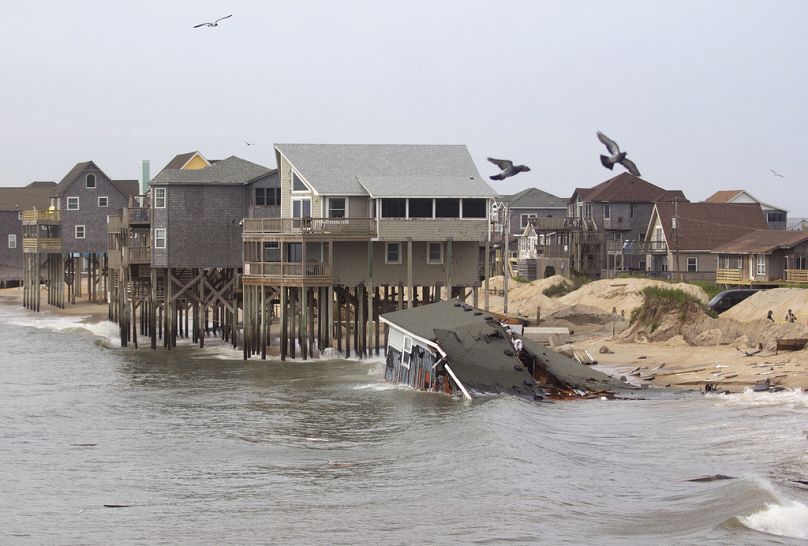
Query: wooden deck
x=42, y=244
x=256, y=229
x=34, y=217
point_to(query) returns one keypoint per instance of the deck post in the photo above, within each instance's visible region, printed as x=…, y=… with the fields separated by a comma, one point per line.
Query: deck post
x=409, y=273
x=263, y=322
x=304, y=320
x=487, y=273
x=292, y=319
x=449, y=272
x=284, y=321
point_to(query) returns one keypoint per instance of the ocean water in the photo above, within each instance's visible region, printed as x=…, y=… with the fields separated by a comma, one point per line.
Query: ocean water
x=103, y=445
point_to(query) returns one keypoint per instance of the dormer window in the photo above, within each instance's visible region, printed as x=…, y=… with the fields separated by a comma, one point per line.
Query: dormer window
x=89, y=182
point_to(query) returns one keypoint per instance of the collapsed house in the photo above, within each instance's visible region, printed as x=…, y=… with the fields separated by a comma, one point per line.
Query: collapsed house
x=455, y=348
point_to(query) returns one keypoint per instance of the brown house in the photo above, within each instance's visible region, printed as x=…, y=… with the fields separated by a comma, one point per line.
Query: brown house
x=764, y=256
x=681, y=237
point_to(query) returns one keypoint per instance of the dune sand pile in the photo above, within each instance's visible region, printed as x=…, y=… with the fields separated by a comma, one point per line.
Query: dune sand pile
x=622, y=294
x=524, y=298
x=777, y=300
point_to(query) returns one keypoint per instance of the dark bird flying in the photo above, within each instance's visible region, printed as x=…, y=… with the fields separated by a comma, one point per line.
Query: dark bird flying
x=214, y=23
x=508, y=168
x=775, y=173
x=617, y=156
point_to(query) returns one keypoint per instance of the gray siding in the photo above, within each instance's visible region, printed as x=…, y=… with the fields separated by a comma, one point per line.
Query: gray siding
x=202, y=226
x=10, y=258
x=435, y=229
x=93, y=217
x=516, y=216
x=263, y=211
x=351, y=258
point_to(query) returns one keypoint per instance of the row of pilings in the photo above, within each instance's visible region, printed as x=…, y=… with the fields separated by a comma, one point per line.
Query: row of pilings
x=63, y=278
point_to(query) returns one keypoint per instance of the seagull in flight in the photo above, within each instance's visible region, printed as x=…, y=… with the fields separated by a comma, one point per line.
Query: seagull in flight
x=617, y=156
x=775, y=173
x=508, y=168
x=249, y=143
x=214, y=23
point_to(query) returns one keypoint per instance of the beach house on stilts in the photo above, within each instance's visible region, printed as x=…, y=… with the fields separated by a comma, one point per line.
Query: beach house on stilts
x=69, y=238
x=363, y=229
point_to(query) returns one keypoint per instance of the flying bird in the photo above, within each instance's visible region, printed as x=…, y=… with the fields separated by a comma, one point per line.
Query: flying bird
x=249, y=143
x=508, y=168
x=214, y=23
x=617, y=156
x=775, y=173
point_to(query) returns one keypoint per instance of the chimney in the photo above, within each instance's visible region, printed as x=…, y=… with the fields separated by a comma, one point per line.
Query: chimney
x=145, y=177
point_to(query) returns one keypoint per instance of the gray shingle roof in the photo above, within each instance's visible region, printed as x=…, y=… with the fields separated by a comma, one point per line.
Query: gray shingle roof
x=534, y=198
x=32, y=196
x=71, y=176
x=232, y=170
x=425, y=186
x=336, y=169
x=126, y=187
x=423, y=320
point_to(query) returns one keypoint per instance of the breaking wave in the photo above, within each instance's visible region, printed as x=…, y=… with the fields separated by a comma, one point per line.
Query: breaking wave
x=789, y=519
x=107, y=332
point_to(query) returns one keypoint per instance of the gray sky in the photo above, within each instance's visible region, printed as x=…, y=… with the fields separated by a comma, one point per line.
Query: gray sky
x=703, y=95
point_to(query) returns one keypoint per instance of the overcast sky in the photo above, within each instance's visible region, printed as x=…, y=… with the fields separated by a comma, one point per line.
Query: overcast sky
x=703, y=95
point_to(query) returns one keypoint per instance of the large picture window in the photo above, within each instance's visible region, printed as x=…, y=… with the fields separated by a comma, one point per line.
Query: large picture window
x=297, y=184
x=420, y=208
x=394, y=208
x=301, y=208
x=447, y=208
x=475, y=208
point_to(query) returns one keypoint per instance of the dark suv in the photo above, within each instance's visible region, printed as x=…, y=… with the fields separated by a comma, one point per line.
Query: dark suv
x=729, y=298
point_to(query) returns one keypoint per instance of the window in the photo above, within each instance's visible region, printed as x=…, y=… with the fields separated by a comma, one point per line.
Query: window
x=394, y=208
x=420, y=208
x=434, y=253
x=267, y=196
x=658, y=234
x=159, y=198
x=301, y=208
x=474, y=208
x=89, y=182
x=72, y=203
x=80, y=232
x=12, y=240
x=272, y=251
x=336, y=207
x=775, y=216
x=761, y=264
x=406, y=351
x=297, y=184
x=525, y=219
x=587, y=211
x=392, y=253
x=447, y=208
x=19, y=215
x=692, y=264
x=631, y=211
x=294, y=252
x=607, y=211
x=160, y=238
x=103, y=201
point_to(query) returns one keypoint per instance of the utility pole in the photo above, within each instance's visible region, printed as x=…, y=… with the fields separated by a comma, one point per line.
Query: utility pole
x=506, y=234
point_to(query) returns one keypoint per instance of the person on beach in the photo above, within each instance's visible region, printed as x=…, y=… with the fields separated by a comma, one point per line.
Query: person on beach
x=791, y=317
x=770, y=317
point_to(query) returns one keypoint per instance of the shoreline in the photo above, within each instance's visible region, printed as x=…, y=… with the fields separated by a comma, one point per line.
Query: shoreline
x=674, y=365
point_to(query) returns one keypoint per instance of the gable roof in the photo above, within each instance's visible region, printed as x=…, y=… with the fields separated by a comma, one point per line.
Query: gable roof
x=34, y=195
x=232, y=170
x=386, y=170
x=71, y=176
x=723, y=196
x=627, y=188
x=180, y=160
x=534, y=198
x=705, y=226
x=126, y=187
x=730, y=196
x=763, y=241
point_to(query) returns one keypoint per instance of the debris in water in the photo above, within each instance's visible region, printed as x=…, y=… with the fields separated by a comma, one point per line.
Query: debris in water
x=713, y=478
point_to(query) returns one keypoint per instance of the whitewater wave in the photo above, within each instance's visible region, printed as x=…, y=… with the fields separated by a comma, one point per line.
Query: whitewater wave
x=793, y=398
x=106, y=331
x=789, y=519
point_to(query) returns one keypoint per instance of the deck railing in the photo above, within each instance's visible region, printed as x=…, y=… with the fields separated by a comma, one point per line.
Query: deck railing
x=311, y=226
x=558, y=223
x=553, y=251
x=138, y=254
x=728, y=276
x=288, y=269
x=138, y=215
x=41, y=216
x=644, y=247
x=42, y=244
x=797, y=275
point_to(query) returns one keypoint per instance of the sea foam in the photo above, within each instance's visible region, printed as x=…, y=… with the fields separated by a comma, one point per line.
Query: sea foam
x=786, y=520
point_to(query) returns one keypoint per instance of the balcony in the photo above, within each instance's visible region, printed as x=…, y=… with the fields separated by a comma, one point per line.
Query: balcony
x=553, y=251
x=644, y=247
x=343, y=228
x=44, y=217
x=287, y=273
x=797, y=275
x=560, y=223
x=138, y=255
x=138, y=215
x=42, y=244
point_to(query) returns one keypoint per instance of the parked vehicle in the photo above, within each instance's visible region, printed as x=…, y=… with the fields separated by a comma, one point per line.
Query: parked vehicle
x=730, y=298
